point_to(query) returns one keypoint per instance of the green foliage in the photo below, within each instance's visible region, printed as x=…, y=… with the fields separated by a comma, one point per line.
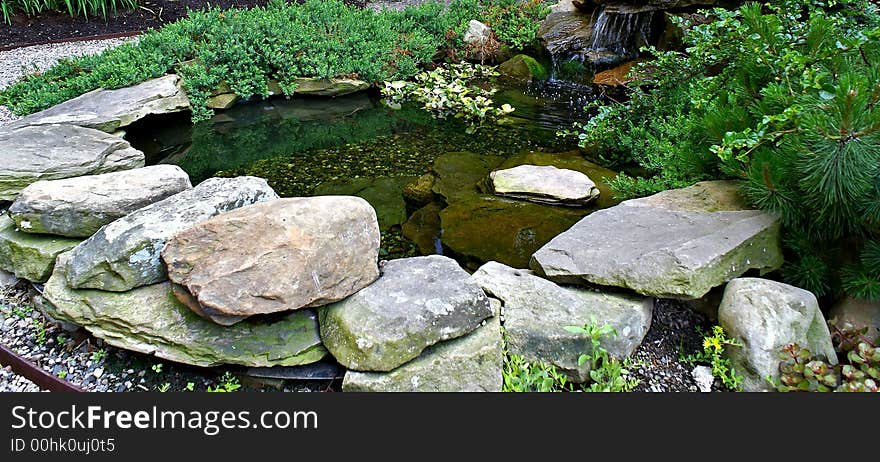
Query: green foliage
x=98, y=355
x=84, y=8
x=523, y=376
x=157, y=368
x=39, y=331
x=164, y=387
x=62, y=374
x=246, y=49
x=783, y=97
x=801, y=370
x=228, y=384
x=448, y=91
x=607, y=374
x=715, y=344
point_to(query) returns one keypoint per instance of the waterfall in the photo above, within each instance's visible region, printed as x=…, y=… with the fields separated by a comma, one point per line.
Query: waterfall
x=620, y=33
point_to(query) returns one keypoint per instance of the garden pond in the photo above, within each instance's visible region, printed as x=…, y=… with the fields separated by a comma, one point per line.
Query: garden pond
x=355, y=145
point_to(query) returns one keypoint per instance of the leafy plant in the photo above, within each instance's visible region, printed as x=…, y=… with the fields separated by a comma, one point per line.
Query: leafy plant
x=607, y=374
x=39, y=331
x=190, y=386
x=802, y=370
x=100, y=354
x=62, y=374
x=228, y=383
x=448, y=91
x=157, y=368
x=536, y=376
x=715, y=344
x=85, y=8
x=164, y=387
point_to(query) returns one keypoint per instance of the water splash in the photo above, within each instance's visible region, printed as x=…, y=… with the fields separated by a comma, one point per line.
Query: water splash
x=620, y=33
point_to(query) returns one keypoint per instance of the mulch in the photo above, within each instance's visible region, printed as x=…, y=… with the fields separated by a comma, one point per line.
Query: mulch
x=150, y=14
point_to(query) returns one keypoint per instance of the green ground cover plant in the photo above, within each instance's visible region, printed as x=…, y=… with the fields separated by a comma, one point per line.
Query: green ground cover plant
x=783, y=97
x=715, y=344
x=246, y=49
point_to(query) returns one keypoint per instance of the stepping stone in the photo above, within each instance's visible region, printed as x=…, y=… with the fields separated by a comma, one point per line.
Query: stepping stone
x=152, y=321
x=661, y=253
x=30, y=256
x=79, y=207
x=536, y=312
x=765, y=316
x=471, y=363
x=125, y=254
x=279, y=255
x=110, y=110
x=416, y=303
x=544, y=184
x=51, y=152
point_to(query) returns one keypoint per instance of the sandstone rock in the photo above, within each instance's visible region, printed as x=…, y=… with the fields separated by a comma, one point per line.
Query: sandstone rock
x=616, y=76
x=423, y=228
x=536, y=312
x=459, y=173
x=125, y=254
x=30, y=256
x=486, y=228
x=222, y=101
x=765, y=316
x=852, y=313
x=383, y=193
x=705, y=196
x=78, y=207
x=544, y=184
x=51, y=152
x=662, y=253
x=109, y=110
x=328, y=87
x=280, y=255
x=420, y=191
x=566, y=29
x=416, y=303
x=524, y=67
x=471, y=363
x=151, y=320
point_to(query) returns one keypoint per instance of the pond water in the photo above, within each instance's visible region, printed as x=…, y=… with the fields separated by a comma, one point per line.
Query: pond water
x=355, y=145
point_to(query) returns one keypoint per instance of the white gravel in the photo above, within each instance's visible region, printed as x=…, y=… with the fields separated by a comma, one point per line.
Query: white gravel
x=19, y=62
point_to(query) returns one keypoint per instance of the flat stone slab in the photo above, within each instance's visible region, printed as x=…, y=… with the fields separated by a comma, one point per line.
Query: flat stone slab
x=544, y=184
x=471, y=363
x=705, y=196
x=328, y=87
x=51, y=152
x=151, y=320
x=765, y=316
x=30, y=256
x=280, y=255
x=109, y=110
x=79, y=207
x=661, y=253
x=416, y=303
x=126, y=253
x=536, y=312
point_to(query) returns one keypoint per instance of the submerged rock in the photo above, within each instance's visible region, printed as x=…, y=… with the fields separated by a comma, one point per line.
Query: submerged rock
x=110, y=110
x=328, y=87
x=416, y=303
x=383, y=193
x=524, y=67
x=544, y=184
x=279, y=255
x=420, y=191
x=151, y=320
x=423, y=229
x=662, y=253
x=51, y=152
x=30, y=256
x=765, y=316
x=487, y=228
x=459, y=173
x=536, y=312
x=571, y=160
x=79, y=207
x=125, y=254
x=471, y=363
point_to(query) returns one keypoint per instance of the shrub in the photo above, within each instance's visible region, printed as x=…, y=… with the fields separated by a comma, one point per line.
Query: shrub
x=782, y=97
x=248, y=48
x=83, y=8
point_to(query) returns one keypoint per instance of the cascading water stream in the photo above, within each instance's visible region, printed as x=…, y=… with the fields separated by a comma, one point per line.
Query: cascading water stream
x=620, y=33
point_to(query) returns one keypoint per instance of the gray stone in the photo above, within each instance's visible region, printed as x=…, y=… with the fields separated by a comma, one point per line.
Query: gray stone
x=477, y=34
x=79, y=207
x=544, y=184
x=125, y=254
x=279, y=255
x=416, y=303
x=705, y=196
x=30, y=256
x=109, y=110
x=703, y=377
x=662, y=253
x=854, y=314
x=536, y=312
x=471, y=363
x=765, y=316
x=151, y=320
x=51, y=152
x=328, y=87
x=7, y=279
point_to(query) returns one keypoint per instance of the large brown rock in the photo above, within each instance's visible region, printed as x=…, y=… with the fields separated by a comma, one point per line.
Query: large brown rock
x=275, y=256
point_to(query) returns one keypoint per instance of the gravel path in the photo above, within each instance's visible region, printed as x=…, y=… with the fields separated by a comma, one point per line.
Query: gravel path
x=19, y=62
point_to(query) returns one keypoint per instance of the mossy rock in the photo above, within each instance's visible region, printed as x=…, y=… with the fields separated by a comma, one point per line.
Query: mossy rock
x=524, y=67
x=30, y=256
